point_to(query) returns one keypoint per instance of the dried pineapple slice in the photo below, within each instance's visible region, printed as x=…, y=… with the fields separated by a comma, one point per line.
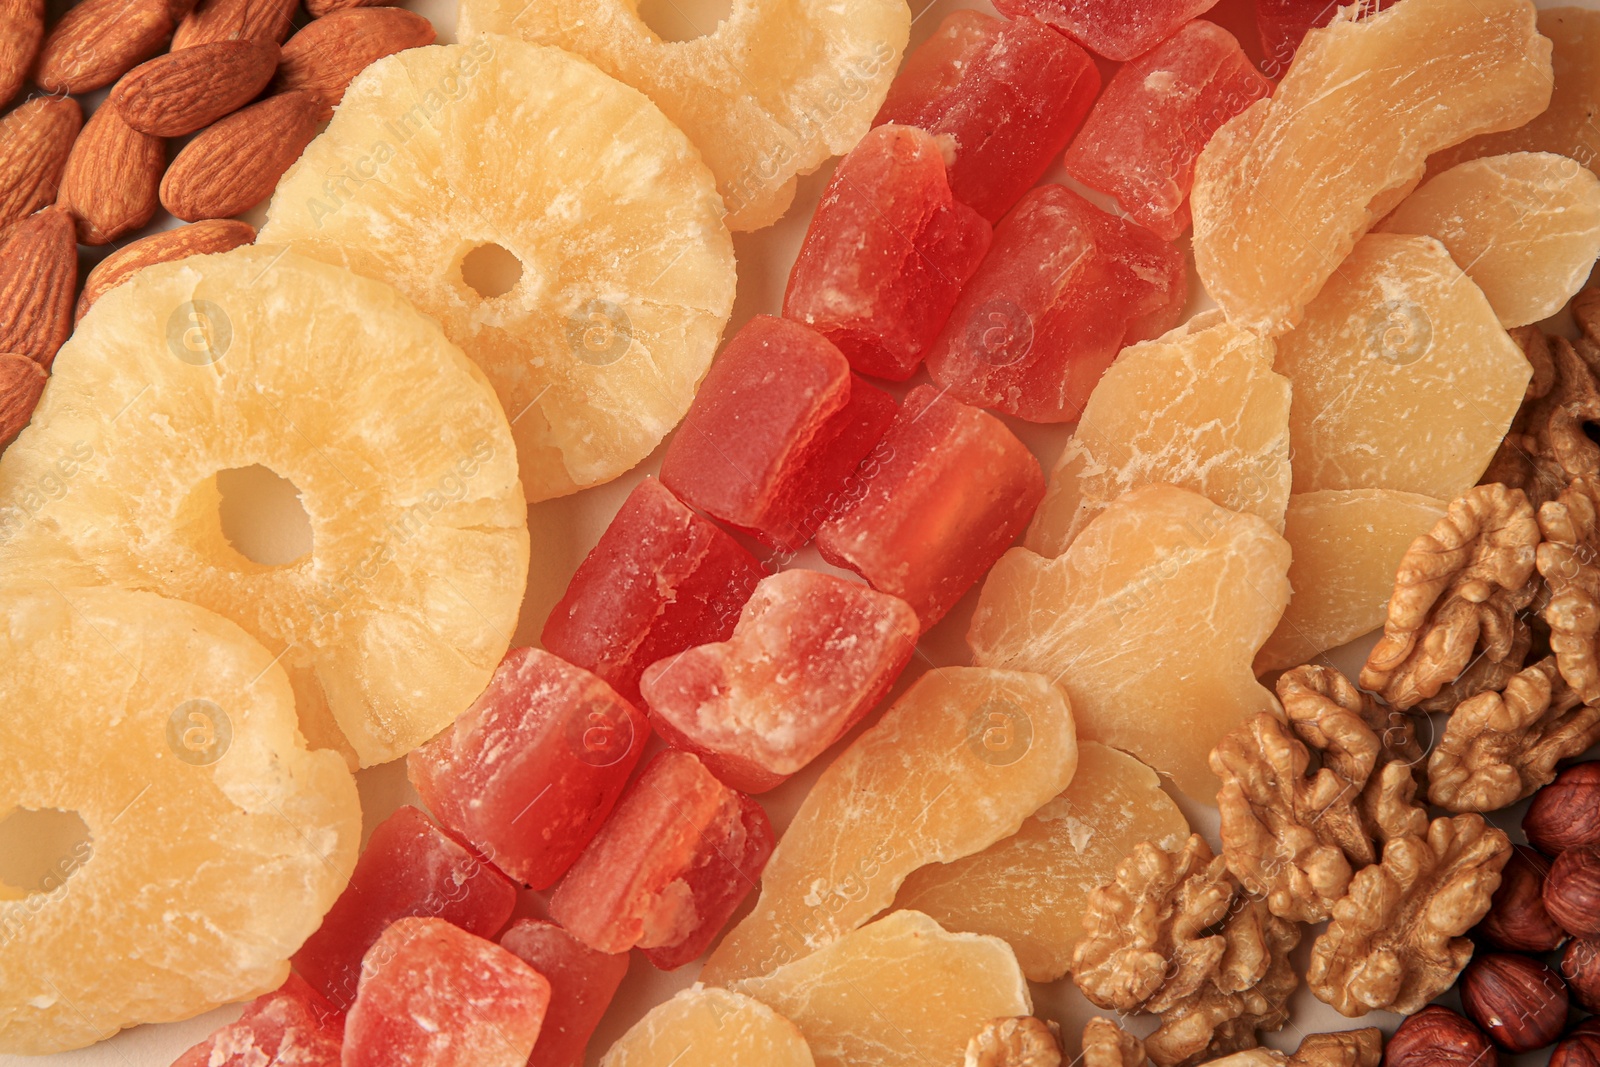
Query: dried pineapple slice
x=627, y=272
x=394, y=621
x=216, y=841
x=710, y=1027
x=772, y=92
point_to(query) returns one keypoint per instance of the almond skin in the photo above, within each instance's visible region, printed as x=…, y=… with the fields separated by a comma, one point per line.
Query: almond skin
x=38, y=273
x=235, y=164
x=326, y=55
x=235, y=20
x=21, y=384
x=201, y=239
x=188, y=90
x=111, y=178
x=98, y=41
x=35, y=141
x=21, y=30
x=320, y=8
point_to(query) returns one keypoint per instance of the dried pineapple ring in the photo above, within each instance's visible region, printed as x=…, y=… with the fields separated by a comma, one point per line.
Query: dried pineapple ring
x=395, y=620
x=775, y=90
x=216, y=841
x=627, y=273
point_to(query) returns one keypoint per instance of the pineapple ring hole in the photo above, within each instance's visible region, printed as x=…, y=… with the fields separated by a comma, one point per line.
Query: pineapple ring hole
x=262, y=516
x=491, y=270
x=684, y=20
x=40, y=850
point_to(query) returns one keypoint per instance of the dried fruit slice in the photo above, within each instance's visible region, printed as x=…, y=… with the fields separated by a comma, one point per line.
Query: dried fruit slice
x=1031, y=889
x=582, y=983
x=291, y=1025
x=901, y=992
x=710, y=1027
x=1116, y=29
x=953, y=766
x=1149, y=621
x=397, y=617
x=215, y=840
x=1284, y=190
x=1403, y=378
x=772, y=92
x=597, y=335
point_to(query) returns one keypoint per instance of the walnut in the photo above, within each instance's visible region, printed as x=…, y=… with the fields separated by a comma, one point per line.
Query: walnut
x=1105, y=1044
x=1457, y=593
x=1348, y=1048
x=1024, y=1041
x=1555, y=423
x=1586, y=312
x=1396, y=940
x=1500, y=747
x=1353, y=732
x=1567, y=560
x=1519, y=462
x=1483, y=675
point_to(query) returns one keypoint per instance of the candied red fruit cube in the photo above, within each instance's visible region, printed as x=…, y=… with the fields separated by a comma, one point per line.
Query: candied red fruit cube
x=292, y=1025
x=670, y=866
x=1065, y=287
x=409, y=868
x=582, y=983
x=432, y=994
x=530, y=771
x=1145, y=133
x=887, y=252
x=778, y=426
x=954, y=488
x=811, y=655
x=1283, y=24
x=1116, y=29
x=1008, y=94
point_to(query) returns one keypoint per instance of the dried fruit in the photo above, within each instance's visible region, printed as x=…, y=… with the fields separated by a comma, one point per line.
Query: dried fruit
x=1566, y=813
x=1520, y=1002
x=1116, y=29
x=111, y=178
x=626, y=281
x=291, y=1025
x=201, y=239
x=1572, y=892
x=235, y=163
x=97, y=41
x=1566, y=560
x=183, y=91
x=21, y=31
x=1284, y=191
x=35, y=140
x=954, y=765
x=1283, y=24
x=1020, y=1041
x=38, y=273
x=179, y=753
x=21, y=384
x=710, y=1027
x=235, y=20
x=1439, y=1037
x=1517, y=919
x=582, y=983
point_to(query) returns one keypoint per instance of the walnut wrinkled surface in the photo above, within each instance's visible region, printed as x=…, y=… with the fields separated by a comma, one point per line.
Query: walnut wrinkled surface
x=1569, y=561
x=1022, y=1041
x=1348, y=1048
x=1105, y=1044
x=1520, y=461
x=1483, y=675
x=1353, y=732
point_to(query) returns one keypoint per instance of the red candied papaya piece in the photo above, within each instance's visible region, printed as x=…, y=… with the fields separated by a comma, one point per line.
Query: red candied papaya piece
x=660, y=580
x=1145, y=133
x=530, y=771
x=1008, y=94
x=887, y=252
x=669, y=867
x=1064, y=289
x=954, y=489
x=292, y=1025
x=1116, y=29
x=409, y=868
x=582, y=983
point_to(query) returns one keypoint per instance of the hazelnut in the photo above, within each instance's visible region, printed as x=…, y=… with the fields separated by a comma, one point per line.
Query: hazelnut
x=1520, y=1002
x=1580, y=1048
x=1439, y=1037
x=1566, y=813
x=1572, y=891
x=1580, y=966
x=1517, y=919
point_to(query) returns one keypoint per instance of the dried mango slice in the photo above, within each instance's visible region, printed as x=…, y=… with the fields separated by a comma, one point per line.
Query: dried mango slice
x=901, y=992
x=1403, y=377
x=771, y=93
x=1149, y=622
x=1199, y=407
x=1030, y=890
x=708, y=1027
x=1284, y=190
x=954, y=765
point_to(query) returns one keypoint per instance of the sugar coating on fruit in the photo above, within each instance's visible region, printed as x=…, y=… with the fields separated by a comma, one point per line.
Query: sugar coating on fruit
x=810, y=656
x=402, y=457
x=954, y=765
x=1116, y=29
x=1284, y=191
x=771, y=92
x=1347, y=544
x=1149, y=621
x=900, y=992
x=529, y=773
x=1030, y=889
x=1064, y=288
x=1282, y=24
x=582, y=983
x=1005, y=95
x=292, y=1025
x=624, y=275
x=1142, y=139
x=432, y=993
x=1200, y=408
x=887, y=251
x=1403, y=377
x=1525, y=228
x=216, y=841
x=713, y=1027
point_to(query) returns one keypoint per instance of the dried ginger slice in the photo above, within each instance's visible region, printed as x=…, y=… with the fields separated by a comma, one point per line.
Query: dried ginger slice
x=771, y=92
x=710, y=1027
x=1285, y=189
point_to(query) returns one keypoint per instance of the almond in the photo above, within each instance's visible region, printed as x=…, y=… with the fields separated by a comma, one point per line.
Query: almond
x=111, y=178
x=321, y=8
x=21, y=384
x=235, y=164
x=326, y=55
x=38, y=273
x=188, y=90
x=98, y=41
x=235, y=20
x=201, y=239
x=21, y=30
x=35, y=141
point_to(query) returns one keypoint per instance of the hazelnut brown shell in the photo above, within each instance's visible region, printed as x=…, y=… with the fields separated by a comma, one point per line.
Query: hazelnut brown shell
x=1439, y=1037
x=1566, y=813
x=1572, y=891
x=1520, y=1002
x=1517, y=919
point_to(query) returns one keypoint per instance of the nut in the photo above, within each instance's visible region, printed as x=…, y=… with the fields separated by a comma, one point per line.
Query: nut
x=1572, y=891
x=1439, y=1037
x=1566, y=813
x=326, y=55
x=235, y=20
x=21, y=383
x=1024, y=1041
x=1580, y=966
x=38, y=272
x=35, y=141
x=1520, y=1002
x=98, y=41
x=235, y=164
x=111, y=178
x=1580, y=1048
x=188, y=90
x=21, y=30
x=1517, y=918
x=201, y=239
